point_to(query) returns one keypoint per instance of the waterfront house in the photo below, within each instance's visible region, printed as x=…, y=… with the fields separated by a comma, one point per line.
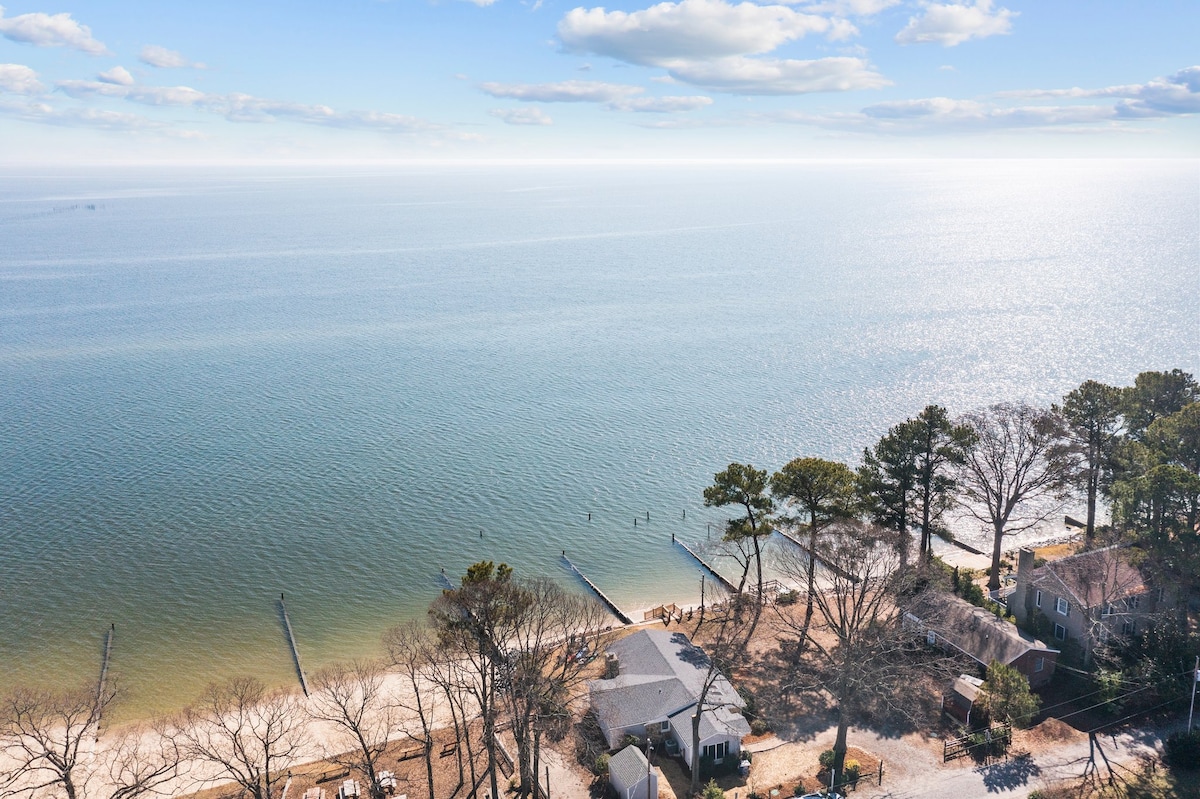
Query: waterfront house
x=955, y=623
x=1085, y=598
x=651, y=689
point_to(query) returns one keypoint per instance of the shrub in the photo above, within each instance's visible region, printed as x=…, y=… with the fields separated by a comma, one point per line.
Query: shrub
x=851, y=771
x=600, y=768
x=759, y=727
x=712, y=791
x=787, y=598
x=630, y=740
x=826, y=759
x=1183, y=750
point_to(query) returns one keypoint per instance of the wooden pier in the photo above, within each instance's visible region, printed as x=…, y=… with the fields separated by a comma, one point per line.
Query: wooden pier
x=720, y=578
x=287, y=625
x=603, y=597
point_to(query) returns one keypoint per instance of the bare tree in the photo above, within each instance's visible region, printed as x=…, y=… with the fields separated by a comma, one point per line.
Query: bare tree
x=411, y=650
x=353, y=699
x=720, y=649
x=142, y=760
x=47, y=737
x=250, y=735
x=860, y=652
x=1017, y=464
x=475, y=623
x=543, y=666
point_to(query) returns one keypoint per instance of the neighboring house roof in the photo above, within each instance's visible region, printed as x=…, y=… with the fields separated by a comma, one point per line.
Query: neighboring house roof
x=661, y=676
x=1092, y=578
x=967, y=687
x=977, y=632
x=627, y=766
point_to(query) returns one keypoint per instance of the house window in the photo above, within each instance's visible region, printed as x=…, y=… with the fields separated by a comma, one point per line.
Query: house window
x=1062, y=606
x=1060, y=632
x=1037, y=599
x=1039, y=664
x=1108, y=609
x=1133, y=602
x=664, y=727
x=1129, y=628
x=716, y=751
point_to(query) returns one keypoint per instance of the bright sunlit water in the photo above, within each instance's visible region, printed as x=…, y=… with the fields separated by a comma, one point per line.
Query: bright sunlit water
x=221, y=385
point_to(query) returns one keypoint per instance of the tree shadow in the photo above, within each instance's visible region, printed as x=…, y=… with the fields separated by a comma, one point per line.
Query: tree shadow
x=1010, y=774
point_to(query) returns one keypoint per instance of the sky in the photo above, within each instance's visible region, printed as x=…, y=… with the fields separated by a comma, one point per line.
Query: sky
x=261, y=81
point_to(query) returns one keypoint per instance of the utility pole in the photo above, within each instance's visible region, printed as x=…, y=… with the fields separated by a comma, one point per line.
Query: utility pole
x=1195, y=677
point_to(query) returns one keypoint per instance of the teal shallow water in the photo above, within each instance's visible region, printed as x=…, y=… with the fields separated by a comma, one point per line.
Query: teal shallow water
x=220, y=386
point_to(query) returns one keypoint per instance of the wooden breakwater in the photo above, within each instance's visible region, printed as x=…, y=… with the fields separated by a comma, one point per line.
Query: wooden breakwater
x=100, y=700
x=720, y=578
x=620, y=614
x=287, y=626
x=838, y=570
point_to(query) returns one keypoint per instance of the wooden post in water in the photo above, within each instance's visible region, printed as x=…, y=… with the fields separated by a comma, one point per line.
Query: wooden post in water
x=287, y=625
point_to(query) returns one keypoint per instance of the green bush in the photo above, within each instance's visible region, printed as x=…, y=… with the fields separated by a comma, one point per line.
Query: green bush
x=826, y=758
x=712, y=791
x=1183, y=750
x=787, y=597
x=759, y=727
x=600, y=767
x=850, y=771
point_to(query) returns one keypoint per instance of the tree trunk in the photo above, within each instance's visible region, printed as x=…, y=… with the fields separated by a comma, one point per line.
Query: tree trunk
x=839, y=746
x=994, y=573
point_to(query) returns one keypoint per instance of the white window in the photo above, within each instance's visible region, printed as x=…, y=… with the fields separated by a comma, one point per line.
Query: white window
x=716, y=751
x=1037, y=599
x=1108, y=609
x=1129, y=628
x=664, y=727
x=1133, y=602
x=1039, y=664
x=1060, y=632
x=1062, y=606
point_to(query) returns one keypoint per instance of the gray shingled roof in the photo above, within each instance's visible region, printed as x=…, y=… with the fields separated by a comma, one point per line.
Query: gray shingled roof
x=661, y=675
x=980, y=634
x=627, y=766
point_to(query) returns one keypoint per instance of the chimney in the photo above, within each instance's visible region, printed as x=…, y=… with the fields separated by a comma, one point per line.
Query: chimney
x=1016, y=602
x=612, y=666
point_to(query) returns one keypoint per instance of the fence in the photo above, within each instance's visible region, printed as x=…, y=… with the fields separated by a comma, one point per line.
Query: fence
x=996, y=736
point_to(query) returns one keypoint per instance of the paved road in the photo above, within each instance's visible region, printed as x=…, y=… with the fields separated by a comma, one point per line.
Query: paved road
x=912, y=770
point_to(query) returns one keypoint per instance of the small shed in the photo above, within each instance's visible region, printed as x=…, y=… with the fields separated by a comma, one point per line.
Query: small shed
x=959, y=701
x=628, y=771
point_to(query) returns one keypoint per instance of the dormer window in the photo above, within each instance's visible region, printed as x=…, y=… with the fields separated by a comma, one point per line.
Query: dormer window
x=1062, y=606
x=1037, y=599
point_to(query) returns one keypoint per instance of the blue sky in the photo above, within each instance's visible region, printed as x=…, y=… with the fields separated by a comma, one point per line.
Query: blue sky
x=124, y=81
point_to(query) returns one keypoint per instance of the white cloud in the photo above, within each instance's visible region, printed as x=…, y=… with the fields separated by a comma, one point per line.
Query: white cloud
x=237, y=107
x=18, y=79
x=953, y=24
x=47, y=114
x=709, y=43
x=522, y=116
x=615, y=96
x=50, y=30
x=156, y=56
x=688, y=30
x=481, y=3
x=117, y=75
x=849, y=8
x=567, y=91
x=1173, y=95
x=775, y=76
x=661, y=105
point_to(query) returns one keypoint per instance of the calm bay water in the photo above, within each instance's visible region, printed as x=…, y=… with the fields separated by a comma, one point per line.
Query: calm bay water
x=221, y=385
